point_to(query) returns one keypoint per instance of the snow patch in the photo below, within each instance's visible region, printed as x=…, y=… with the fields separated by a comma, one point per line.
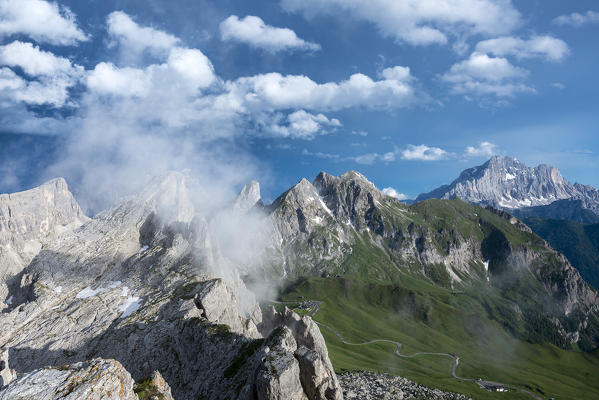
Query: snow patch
x=486, y=264
x=125, y=291
x=9, y=301
x=317, y=219
x=325, y=206
x=509, y=177
x=57, y=289
x=142, y=249
x=130, y=305
x=88, y=292
x=114, y=284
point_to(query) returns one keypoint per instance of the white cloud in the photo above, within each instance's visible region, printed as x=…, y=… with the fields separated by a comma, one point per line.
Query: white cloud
x=304, y=125
x=181, y=91
x=558, y=85
x=483, y=75
x=253, y=31
x=105, y=78
x=484, y=149
x=419, y=22
x=40, y=20
x=276, y=91
x=188, y=69
x=482, y=67
x=193, y=66
x=389, y=191
x=371, y=158
x=50, y=76
x=577, y=19
x=547, y=47
x=34, y=61
x=397, y=73
x=423, y=153
x=364, y=159
x=135, y=38
x=320, y=154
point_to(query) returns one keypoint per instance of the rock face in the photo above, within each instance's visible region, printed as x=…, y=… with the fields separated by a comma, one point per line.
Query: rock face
x=145, y=283
x=507, y=183
x=345, y=226
x=248, y=197
x=6, y=374
x=97, y=379
x=30, y=218
x=371, y=386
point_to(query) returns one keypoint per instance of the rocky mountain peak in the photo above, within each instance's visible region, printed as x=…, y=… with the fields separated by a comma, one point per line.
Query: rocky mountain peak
x=507, y=183
x=348, y=196
x=30, y=218
x=248, y=197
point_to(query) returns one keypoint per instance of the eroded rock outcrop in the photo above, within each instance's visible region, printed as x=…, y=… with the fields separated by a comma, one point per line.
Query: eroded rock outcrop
x=97, y=379
x=139, y=283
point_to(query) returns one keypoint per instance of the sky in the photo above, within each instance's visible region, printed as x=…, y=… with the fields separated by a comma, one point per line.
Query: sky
x=107, y=93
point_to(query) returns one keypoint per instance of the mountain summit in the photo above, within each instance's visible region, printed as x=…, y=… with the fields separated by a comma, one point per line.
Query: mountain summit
x=507, y=183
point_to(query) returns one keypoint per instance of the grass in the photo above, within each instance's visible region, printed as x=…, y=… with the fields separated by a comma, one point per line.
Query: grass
x=425, y=317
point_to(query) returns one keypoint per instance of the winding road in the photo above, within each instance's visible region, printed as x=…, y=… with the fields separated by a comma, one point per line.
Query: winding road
x=456, y=359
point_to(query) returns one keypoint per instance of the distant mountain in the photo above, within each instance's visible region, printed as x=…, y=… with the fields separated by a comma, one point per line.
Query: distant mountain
x=578, y=242
x=506, y=183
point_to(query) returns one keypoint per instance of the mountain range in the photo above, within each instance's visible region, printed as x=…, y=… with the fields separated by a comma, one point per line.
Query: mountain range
x=172, y=291
x=507, y=183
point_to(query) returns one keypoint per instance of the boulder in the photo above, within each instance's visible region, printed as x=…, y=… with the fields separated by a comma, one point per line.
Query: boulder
x=93, y=380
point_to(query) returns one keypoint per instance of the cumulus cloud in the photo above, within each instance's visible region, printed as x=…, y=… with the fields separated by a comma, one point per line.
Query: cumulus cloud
x=253, y=31
x=49, y=77
x=304, y=125
x=419, y=22
x=389, y=191
x=276, y=91
x=42, y=21
x=34, y=61
x=484, y=149
x=547, y=47
x=423, y=153
x=105, y=78
x=482, y=75
x=577, y=19
x=136, y=39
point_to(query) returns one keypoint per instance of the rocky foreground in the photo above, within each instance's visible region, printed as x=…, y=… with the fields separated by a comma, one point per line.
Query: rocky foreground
x=371, y=386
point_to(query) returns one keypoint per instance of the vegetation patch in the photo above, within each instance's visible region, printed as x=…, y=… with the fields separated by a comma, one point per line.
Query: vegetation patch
x=244, y=354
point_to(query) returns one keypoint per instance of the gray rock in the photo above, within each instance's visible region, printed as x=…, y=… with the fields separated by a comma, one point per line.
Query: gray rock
x=279, y=374
x=316, y=371
x=373, y=386
x=6, y=374
x=97, y=379
x=29, y=219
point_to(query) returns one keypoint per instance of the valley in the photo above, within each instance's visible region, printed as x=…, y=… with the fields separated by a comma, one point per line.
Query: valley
x=486, y=351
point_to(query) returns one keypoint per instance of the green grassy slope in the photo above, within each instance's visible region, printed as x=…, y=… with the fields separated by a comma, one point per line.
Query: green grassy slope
x=425, y=317
x=578, y=242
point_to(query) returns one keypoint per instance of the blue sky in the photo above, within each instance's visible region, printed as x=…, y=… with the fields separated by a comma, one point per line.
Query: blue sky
x=407, y=92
